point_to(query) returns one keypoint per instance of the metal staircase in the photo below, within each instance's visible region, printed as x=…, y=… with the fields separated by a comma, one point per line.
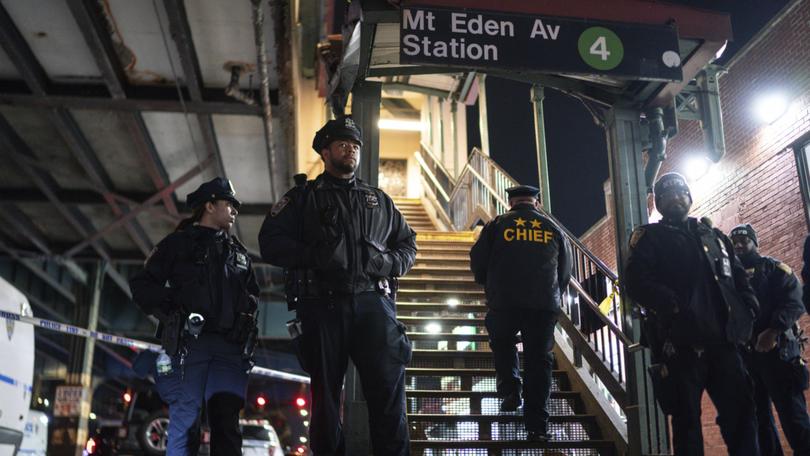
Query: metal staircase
x=451, y=401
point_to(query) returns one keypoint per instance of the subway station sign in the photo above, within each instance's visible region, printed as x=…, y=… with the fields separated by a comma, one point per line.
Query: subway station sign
x=509, y=41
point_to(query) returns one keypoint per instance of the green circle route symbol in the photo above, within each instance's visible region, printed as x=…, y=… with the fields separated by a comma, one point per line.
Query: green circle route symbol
x=600, y=48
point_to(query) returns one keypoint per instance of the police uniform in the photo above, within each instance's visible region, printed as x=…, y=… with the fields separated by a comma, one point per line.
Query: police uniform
x=202, y=270
x=524, y=262
x=342, y=242
x=698, y=306
x=780, y=375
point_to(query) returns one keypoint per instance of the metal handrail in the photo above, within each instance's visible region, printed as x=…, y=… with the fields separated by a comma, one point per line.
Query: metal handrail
x=480, y=191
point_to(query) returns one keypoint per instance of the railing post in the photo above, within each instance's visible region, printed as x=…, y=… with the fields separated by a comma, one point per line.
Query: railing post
x=646, y=425
x=540, y=141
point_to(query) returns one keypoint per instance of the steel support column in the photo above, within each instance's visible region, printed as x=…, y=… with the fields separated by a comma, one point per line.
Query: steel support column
x=483, y=122
x=646, y=425
x=84, y=376
x=366, y=98
x=538, y=94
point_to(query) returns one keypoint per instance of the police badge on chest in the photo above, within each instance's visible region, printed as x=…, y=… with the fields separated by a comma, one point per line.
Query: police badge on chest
x=372, y=201
x=241, y=261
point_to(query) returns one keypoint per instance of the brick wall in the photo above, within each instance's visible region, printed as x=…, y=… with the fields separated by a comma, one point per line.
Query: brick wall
x=757, y=181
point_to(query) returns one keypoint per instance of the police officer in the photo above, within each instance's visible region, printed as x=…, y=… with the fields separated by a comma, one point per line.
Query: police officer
x=524, y=262
x=202, y=275
x=774, y=358
x=699, y=306
x=342, y=243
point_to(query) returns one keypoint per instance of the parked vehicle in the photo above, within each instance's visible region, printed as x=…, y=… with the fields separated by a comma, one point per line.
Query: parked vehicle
x=16, y=370
x=259, y=439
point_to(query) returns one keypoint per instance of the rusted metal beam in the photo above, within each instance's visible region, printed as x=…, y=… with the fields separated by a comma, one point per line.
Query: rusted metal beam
x=188, y=175
x=92, y=23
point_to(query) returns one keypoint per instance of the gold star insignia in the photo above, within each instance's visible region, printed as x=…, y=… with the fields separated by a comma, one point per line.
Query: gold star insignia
x=520, y=222
x=535, y=224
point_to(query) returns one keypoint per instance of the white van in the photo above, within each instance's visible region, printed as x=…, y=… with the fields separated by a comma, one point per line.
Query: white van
x=16, y=369
x=35, y=435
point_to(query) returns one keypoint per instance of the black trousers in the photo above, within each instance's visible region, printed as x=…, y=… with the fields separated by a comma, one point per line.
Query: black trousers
x=537, y=331
x=781, y=383
x=719, y=370
x=364, y=328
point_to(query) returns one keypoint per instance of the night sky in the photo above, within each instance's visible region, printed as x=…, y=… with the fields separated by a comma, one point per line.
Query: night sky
x=577, y=152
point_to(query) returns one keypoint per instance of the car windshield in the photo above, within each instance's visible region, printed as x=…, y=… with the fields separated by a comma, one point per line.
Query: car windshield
x=252, y=432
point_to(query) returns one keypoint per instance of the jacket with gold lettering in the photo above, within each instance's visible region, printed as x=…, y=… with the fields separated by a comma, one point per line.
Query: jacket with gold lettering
x=690, y=282
x=523, y=260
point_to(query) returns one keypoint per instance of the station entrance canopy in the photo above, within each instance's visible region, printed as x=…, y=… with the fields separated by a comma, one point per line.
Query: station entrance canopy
x=625, y=50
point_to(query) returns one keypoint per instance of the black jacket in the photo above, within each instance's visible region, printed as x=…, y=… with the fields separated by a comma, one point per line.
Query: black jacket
x=197, y=270
x=692, y=285
x=778, y=293
x=523, y=260
x=341, y=235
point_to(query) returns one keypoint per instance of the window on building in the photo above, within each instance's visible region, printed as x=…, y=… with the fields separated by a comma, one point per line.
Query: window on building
x=802, y=150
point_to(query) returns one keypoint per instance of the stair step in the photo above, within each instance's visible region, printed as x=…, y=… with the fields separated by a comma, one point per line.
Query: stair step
x=440, y=307
x=447, y=337
x=605, y=447
x=425, y=354
x=435, y=270
x=572, y=395
x=441, y=245
x=443, y=295
x=433, y=279
x=449, y=236
x=444, y=321
x=462, y=372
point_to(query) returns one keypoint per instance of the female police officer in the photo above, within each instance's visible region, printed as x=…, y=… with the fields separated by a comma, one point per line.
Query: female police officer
x=201, y=271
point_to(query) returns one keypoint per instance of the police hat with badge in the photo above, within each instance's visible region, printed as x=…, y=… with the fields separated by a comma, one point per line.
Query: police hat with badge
x=522, y=191
x=745, y=230
x=217, y=188
x=670, y=182
x=343, y=127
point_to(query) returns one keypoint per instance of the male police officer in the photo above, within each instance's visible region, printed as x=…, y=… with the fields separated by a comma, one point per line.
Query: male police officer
x=774, y=359
x=698, y=306
x=210, y=283
x=524, y=262
x=341, y=242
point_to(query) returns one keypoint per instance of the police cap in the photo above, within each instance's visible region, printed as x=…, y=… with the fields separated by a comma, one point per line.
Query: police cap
x=215, y=189
x=669, y=182
x=522, y=190
x=745, y=230
x=341, y=128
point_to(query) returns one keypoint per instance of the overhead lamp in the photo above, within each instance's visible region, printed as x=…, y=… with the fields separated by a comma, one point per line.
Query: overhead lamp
x=453, y=302
x=696, y=168
x=400, y=125
x=770, y=107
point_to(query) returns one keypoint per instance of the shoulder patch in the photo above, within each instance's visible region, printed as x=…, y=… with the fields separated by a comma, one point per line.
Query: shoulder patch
x=785, y=268
x=638, y=233
x=279, y=206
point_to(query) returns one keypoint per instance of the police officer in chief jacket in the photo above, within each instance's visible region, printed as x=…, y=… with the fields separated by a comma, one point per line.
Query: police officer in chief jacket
x=201, y=269
x=524, y=262
x=699, y=306
x=342, y=242
x=774, y=356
